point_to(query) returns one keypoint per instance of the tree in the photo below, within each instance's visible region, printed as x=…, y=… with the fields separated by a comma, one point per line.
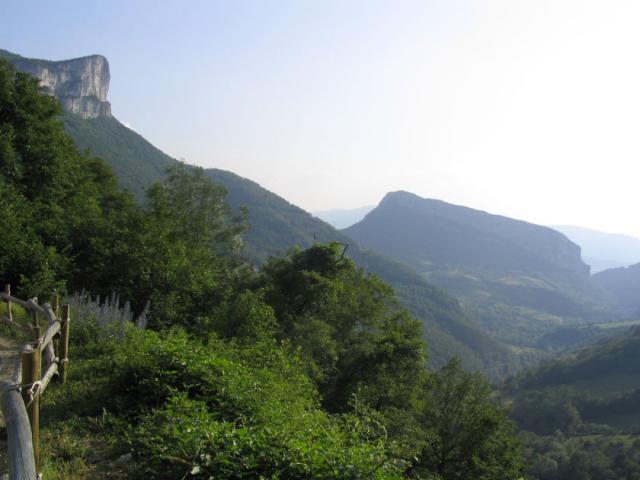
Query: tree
x=185, y=258
x=59, y=206
x=348, y=324
x=466, y=435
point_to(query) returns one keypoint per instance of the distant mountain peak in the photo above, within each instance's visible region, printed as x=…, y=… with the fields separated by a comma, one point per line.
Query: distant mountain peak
x=446, y=230
x=402, y=197
x=81, y=84
x=515, y=278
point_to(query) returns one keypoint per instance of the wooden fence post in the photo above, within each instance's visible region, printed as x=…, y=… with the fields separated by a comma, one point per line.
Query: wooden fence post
x=64, y=343
x=35, y=326
x=56, y=304
x=31, y=360
x=56, y=311
x=7, y=290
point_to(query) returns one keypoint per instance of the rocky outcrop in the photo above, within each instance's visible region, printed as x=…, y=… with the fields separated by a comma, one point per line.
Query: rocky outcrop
x=81, y=84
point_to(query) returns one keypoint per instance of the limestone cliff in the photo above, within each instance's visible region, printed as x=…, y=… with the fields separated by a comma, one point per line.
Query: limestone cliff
x=81, y=84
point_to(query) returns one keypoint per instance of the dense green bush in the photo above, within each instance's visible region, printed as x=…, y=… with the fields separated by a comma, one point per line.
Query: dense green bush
x=348, y=324
x=225, y=410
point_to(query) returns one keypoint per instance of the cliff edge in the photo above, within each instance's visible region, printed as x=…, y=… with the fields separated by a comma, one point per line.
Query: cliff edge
x=81, y=84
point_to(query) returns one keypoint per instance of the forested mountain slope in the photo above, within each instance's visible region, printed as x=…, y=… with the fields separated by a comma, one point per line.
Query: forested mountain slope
x=608, y=368
x=580, y=415
x=276, y=226
x=624, y=285
x=520, y=280
x=134, y=160
x=594, y=392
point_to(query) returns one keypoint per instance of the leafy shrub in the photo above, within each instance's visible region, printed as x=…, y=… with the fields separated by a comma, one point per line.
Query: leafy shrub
x=226, y=410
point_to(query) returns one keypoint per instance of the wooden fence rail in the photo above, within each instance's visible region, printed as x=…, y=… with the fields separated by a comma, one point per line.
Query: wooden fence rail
x=26, y=377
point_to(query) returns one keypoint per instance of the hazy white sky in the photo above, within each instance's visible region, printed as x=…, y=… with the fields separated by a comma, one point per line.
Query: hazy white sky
x=529, y=109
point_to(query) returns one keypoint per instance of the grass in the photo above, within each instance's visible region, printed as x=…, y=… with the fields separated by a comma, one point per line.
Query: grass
x=78, y=444
x=79, y=449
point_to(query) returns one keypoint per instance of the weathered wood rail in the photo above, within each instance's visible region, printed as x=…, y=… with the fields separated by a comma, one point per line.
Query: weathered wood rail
x=26, y=369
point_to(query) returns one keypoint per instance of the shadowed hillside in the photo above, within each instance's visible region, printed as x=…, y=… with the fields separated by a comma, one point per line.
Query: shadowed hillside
x=601, y=381
x=520, y=280
x=624, y=285
x=276, y=226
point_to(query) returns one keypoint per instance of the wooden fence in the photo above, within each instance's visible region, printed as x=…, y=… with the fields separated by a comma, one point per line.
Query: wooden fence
x=26, y=376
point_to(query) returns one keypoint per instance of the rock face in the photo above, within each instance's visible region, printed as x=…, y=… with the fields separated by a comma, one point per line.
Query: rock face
x=81, y=84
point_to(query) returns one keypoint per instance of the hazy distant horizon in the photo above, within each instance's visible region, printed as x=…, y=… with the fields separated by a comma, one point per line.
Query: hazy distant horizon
x=523, y=109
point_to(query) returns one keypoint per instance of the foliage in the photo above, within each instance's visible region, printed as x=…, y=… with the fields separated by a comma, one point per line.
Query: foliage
x=220, y=410
x=580, y=415
x=593, y=457
x=67, y=224
x=349, y=325
x=58, y=206
x=185, y=251
x=598, y=385
x=465, y=433
x=136, y=163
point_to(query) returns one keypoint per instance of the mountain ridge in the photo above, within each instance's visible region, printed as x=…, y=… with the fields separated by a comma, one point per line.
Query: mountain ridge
x=562, y=254
x=516, y=278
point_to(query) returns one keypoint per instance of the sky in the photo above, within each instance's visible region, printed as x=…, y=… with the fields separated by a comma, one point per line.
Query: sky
x=529, y=109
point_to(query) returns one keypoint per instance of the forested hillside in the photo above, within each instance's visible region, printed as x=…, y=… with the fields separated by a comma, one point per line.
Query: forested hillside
x=518, y=280
x=275, y=226
x=624, y=286
x=581, y=414
x=136, y=163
